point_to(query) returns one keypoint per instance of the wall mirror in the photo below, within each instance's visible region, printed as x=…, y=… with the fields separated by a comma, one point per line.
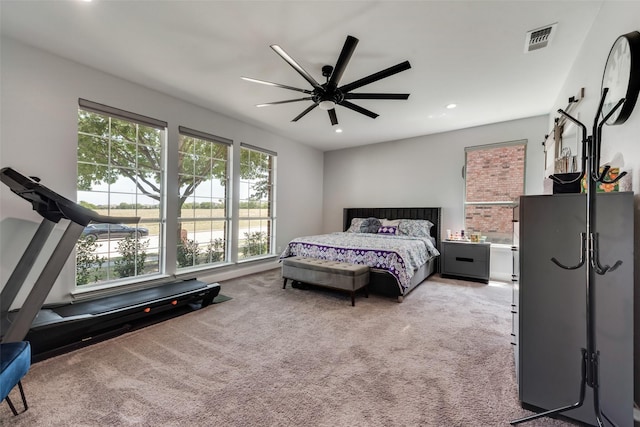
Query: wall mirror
x=567, y=147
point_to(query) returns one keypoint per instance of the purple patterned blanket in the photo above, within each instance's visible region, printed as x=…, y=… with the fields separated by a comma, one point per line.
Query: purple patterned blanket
x=399, y=255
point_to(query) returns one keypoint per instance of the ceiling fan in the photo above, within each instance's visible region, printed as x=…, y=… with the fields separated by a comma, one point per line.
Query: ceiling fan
x=329, y=94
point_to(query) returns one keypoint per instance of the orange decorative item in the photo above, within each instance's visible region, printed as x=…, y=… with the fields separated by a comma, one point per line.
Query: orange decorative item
x=602, y=187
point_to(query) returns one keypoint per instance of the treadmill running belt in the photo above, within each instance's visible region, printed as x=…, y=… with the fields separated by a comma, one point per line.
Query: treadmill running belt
x=129, y=299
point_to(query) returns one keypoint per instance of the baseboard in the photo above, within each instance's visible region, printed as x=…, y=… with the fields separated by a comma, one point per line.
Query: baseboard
x=240, y=270
x=501, y=277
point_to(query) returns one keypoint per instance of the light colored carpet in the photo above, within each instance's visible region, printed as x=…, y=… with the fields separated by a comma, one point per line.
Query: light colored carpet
x=274, y=357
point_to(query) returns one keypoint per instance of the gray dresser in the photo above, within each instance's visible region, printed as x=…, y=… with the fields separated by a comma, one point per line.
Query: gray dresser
x=550, y=310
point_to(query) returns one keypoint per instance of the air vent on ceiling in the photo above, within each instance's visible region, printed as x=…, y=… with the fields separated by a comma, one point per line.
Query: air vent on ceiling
x=539, y=38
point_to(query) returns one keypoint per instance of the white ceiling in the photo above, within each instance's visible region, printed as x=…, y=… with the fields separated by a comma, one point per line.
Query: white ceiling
x=466, y=52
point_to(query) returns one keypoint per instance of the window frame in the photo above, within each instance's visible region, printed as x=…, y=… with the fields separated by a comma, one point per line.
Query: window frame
x=168, y=166
x=228, y=199
x=112, y=113
x=506, y=203
x=271, y=216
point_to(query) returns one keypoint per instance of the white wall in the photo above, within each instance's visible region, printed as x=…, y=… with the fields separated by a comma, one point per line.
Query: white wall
x=38, y=136
x=425, y=171
x=621, y=141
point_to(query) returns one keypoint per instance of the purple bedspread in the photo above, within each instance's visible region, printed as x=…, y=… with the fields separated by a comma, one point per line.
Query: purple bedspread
x=399, y=255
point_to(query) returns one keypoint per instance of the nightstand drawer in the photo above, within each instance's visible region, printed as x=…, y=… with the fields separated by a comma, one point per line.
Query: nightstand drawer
x=465, y=266
x=470, y=260
x=473, y=251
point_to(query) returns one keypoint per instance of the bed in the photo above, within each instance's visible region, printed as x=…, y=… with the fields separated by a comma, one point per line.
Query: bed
x=398, y=263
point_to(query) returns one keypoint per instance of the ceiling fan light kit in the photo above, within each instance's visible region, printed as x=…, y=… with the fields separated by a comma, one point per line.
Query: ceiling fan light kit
x=326, y=105
x=328, y=95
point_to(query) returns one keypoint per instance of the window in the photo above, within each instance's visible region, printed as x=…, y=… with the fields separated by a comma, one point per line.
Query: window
x=120, y=173
x=203, y=182
x=494, y=178
x=257, y=217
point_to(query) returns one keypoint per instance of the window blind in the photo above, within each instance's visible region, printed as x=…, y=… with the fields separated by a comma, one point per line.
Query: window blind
x=122, y=114
x=203, y=135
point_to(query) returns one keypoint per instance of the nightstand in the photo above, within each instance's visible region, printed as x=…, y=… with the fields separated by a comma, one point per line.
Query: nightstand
x=466, y=260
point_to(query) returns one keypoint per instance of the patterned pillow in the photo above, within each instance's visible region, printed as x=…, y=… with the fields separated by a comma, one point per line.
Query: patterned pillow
x=356, y=224
x=364, y=225
x=392, y=222
x=370, y=225
x=415, y=227
x=388, y=229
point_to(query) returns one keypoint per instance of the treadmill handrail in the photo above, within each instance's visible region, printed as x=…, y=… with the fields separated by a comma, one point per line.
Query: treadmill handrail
x=52, y=205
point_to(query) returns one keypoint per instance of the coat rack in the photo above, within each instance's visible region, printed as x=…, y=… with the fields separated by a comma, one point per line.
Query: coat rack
x=589, y=255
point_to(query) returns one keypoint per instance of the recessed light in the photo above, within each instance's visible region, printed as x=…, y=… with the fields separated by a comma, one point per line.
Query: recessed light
x=338, y=130
x=451, y=106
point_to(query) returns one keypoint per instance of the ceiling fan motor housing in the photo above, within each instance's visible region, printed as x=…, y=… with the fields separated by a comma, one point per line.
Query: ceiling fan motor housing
x=326, y=71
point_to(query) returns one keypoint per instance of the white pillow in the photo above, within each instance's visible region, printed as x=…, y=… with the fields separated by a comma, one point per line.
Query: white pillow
x=356, y=223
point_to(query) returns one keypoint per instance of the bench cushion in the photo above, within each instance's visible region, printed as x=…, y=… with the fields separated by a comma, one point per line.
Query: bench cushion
x=335, y=267
x=331, y=274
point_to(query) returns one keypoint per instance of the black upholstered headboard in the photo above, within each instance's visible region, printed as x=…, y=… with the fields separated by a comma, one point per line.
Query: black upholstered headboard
x=431, y=214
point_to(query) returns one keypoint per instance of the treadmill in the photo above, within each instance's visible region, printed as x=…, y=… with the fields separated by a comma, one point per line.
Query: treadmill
x=71, y=324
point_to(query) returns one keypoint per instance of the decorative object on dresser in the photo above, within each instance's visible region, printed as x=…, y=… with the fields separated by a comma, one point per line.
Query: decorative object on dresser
x=466, y=260
x=400, y=245
x=607, y=357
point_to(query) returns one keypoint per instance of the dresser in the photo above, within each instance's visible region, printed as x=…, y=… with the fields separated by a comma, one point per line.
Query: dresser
x=466, y=260
x=549, y=307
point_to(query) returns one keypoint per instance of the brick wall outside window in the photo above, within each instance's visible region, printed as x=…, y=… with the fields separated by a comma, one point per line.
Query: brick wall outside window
x=493, y=174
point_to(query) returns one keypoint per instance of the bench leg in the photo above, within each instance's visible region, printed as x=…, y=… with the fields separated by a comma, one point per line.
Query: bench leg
x=284, y=285
x=353, y=295
x=24, y=400
x=13, y=408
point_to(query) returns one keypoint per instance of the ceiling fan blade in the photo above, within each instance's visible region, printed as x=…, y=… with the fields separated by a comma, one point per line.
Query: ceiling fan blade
x=264, y=82
x=359, y=109
x=296, y=66
x=333, y=117
x=301, y=115
x=345, y=55
x=376, y=96
x=376, y=76
x=308, y=98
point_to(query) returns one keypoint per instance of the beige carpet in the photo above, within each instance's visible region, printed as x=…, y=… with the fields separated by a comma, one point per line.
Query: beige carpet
x=273, y=357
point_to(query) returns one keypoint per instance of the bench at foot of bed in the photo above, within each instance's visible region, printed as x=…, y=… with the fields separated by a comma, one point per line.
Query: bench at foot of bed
x=330, y=274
